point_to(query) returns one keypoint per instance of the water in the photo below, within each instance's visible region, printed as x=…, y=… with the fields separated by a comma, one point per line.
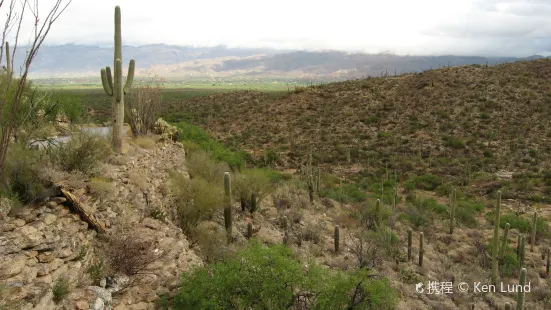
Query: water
x=102, y=131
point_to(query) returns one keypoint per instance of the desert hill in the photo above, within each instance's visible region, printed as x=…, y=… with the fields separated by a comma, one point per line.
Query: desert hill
x=463, y=124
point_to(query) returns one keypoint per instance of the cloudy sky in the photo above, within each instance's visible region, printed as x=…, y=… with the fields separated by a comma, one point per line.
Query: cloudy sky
x=421, y=27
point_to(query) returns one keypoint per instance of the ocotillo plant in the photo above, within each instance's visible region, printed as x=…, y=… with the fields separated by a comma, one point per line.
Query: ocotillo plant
x=421, y=252
x=521, y=293
x=495, y=240
x=410, y=239
x=518, y=245
x=548, y=261
x=227, y=206
x=504, y=242
x=115, y=88
x=337, y=239
x=9, y=65
x=533, y=237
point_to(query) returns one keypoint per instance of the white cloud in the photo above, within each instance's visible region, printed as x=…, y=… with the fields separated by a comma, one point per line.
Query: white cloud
x=461, y=27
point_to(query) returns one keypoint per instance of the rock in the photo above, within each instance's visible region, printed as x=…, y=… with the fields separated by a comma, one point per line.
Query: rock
x=59, y=200
x=64, y=253
x=49, y=219
x=151, y=223
x=12, y=266
x=81, y=305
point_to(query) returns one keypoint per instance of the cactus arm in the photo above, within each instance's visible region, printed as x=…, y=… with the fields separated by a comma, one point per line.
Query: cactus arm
x=118, y=85
x=130, y=77
x=109, y=78
x=105, y=82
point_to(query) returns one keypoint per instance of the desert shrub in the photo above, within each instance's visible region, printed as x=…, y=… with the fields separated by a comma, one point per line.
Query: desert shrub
x=369, y=215
x=313, y=232
x=97, y=270
x=351, y=192
x=466, y=211
x=409, y=186
x=195, y=200
x=251, y=181
x=128, y=254
x=387, y=239
x=144, y=142
x=82, y=153
x=427, y=182
x=211, y=239
x=417, y=216
x=143, y=105
x=101, y=187
x=60, y=289
x=20, y=179
x=290, y=196
x=522, y=224
x=200, y=164
x=261, y=277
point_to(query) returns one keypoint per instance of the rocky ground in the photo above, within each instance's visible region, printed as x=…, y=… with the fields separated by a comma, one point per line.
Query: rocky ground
x=46, y=242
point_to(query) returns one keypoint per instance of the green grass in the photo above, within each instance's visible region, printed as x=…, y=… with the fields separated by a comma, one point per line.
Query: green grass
x=236, y=159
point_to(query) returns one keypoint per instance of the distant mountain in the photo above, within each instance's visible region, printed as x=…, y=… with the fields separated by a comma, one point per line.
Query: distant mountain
x=176, y=62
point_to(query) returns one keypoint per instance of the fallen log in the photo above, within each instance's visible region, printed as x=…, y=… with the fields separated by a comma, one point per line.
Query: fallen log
x=78, y=207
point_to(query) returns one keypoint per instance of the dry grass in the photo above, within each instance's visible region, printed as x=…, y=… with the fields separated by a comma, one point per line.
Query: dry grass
x=145, y=142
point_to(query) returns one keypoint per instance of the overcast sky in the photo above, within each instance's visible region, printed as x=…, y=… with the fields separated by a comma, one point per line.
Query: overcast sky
x=420, y=27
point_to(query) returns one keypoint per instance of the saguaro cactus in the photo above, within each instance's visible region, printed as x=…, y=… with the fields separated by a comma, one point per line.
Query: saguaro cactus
x=521, y=293
x=533, y=237
x=249, y=230
x=421, y=252
x=504, y=242
x=115, y=89
x=507, y=306
x=227, y=206
x=410, y=240
x=548, y=261
x=495, y=241
x=253, y=203
x=452, y=211
x=337, y=239
x=521, y=251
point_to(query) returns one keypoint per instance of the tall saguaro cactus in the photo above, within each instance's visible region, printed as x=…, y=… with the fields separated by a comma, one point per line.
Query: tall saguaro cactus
x=495, y=240
x=227, y=206
x=113, y=86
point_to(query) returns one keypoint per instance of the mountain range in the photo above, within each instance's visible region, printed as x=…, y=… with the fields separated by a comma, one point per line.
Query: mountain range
x=184, y=62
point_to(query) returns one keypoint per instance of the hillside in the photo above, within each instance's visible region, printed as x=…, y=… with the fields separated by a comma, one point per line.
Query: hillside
x=462, y=124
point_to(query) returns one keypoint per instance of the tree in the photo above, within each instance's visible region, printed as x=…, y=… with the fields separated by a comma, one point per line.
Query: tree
x=12, y=89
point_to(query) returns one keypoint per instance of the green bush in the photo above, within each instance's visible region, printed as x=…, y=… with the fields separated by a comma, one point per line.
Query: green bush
x=82, y=153
x=427, y=182
x=195, y=134
x=261, y=277
x=21, y=179
x=196, y=200
x=522, y=224
x=60, y=289
x=200, y=164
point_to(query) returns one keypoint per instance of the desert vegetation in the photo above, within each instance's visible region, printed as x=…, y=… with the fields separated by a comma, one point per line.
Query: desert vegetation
x=351, y=195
